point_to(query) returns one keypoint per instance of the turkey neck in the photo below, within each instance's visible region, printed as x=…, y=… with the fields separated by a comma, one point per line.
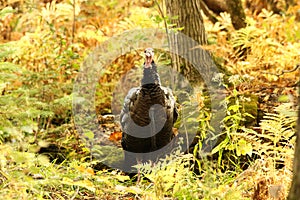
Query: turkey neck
x=150, y=76
x=150, y=93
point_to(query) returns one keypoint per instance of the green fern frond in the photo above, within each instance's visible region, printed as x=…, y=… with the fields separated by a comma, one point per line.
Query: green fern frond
x=245, y=36
x=280, y=125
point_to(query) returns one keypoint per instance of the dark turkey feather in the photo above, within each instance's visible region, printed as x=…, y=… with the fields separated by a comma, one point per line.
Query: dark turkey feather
x=147, y=117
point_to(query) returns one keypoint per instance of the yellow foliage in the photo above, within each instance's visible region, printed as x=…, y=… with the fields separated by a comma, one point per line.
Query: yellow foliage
x=268, y=45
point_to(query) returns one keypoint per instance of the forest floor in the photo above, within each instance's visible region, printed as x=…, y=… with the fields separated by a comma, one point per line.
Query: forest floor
x=49, y=150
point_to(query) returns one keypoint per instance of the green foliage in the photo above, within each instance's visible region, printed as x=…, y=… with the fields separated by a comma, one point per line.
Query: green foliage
x=36, y=76
x=5, y=11
x=235, y=140
x=173, y=177
x=26, y=175
x=6, y=50
x=274, y=140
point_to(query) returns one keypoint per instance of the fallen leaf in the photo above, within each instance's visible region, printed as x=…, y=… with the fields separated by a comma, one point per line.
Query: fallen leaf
x=115, y=136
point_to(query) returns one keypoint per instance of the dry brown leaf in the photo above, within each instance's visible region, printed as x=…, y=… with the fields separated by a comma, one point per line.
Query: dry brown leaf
x=115, y=136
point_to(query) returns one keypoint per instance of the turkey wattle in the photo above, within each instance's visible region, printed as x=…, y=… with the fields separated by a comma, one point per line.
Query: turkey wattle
x=147, y=117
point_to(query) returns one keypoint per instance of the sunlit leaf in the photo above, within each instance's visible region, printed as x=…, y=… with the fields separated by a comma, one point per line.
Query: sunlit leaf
x=89, y=134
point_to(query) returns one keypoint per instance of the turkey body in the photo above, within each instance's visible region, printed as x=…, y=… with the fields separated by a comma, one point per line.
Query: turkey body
x=147, y=119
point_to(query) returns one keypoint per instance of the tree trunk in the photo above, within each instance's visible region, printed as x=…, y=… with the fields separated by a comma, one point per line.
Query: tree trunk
x=294, y=193
x=237, y=13
x=186, y=15
x=195, y=63
x=217, y=6
x=233, y=7
x=189, y=17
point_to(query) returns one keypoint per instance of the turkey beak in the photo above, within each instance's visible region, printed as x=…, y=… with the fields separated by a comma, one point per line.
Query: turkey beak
x=149, y=58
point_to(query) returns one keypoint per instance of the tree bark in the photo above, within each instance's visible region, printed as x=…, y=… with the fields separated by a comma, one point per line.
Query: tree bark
x=208, y=12
x=237, y=13
x=233, y=7
x=189, y=17
x=186, y=15
x=294, y=193
x=217, y=6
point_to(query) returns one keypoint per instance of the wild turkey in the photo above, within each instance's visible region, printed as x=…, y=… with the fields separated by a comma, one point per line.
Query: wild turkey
x=147, y=117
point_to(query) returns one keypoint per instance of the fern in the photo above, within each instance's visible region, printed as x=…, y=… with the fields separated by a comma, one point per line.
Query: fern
x=172, y=176
x=278, y=130
x=140, y=18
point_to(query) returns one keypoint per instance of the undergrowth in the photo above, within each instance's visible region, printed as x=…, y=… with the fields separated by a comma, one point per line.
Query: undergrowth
x=41, y=50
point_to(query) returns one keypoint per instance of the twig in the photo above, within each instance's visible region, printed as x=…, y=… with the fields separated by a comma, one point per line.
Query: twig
x=167, y=31
x=292, y=70
x=163, y=16
x=73, y=25
x=284, y=71
x=165, y=24
x=3, y=174
x=75, y=193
